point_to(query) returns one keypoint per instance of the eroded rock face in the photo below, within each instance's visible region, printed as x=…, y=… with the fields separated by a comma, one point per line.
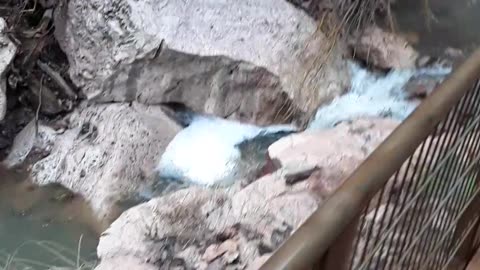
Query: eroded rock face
x=243, y=60
x=107, y=153
x=384, y=50
x=336, y=152
x=210, y=229
x=7, y=52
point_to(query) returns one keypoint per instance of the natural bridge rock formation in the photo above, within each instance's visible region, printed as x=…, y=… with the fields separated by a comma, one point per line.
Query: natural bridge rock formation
x=259, y=62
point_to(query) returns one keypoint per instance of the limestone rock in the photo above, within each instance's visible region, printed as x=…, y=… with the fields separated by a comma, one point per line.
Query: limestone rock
x=147, y=230
x=205, y=228
x=268, y=204
x=107, y=153
x=242, y=60
x=384, y=50
x=7, y=52
x=336, y=152
x=228, y=247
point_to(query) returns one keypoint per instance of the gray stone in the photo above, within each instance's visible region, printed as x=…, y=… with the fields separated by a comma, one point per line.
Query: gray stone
x=107, y=154
x=242, y=60
x=7, y=53
x=210, y=229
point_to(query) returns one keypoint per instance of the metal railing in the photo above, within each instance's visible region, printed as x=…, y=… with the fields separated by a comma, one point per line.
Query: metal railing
x=414, y=203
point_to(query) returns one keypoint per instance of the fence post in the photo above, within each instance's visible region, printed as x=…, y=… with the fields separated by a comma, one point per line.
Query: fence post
x=339, y=255
x=468, y=246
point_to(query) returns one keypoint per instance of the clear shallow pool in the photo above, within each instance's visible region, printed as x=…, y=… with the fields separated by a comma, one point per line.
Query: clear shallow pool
x=43, y=227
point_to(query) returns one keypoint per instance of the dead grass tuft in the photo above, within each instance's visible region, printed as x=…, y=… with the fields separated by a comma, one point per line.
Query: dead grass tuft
x=337, y=21
x=67, y=259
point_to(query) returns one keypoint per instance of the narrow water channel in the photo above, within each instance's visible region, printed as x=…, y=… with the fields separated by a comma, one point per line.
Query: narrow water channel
x=42, y=227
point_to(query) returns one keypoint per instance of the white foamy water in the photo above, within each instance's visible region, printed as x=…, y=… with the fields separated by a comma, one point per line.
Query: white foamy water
x=206, y=151
x=373, y=95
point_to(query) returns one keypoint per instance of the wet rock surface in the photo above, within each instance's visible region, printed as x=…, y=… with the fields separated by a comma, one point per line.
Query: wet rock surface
x=241, y=226
x=210, y=228
x=335, y=152
x=235, y=151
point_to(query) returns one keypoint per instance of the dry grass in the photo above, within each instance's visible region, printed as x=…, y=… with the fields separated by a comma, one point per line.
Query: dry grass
x=67, y=259
x=338, y=20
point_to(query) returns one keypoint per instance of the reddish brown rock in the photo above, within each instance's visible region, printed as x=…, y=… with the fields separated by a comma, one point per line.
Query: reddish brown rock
x=242, y=225
x=229, y=248
x=336, y=152
x=384, y=50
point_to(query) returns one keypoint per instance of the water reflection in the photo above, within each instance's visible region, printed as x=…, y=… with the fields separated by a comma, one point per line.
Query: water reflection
x=43, y=227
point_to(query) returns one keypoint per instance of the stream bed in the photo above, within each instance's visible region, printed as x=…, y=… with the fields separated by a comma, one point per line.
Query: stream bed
x=42, y=227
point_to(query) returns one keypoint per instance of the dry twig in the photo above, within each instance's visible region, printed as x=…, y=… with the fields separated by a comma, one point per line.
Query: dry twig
x=38, y=107
x=58, y=79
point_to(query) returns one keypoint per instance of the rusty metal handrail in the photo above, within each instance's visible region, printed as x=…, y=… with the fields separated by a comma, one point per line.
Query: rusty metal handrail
x=307, y=245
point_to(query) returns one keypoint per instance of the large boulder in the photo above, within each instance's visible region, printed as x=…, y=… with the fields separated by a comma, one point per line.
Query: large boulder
x=209, y=229
x=107, y=153
x=243, y=60
x=7, y=52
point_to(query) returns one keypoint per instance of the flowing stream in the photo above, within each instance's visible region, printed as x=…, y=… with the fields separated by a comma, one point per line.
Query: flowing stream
x=41, y=227
x=375, y=95
x=44, y=227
